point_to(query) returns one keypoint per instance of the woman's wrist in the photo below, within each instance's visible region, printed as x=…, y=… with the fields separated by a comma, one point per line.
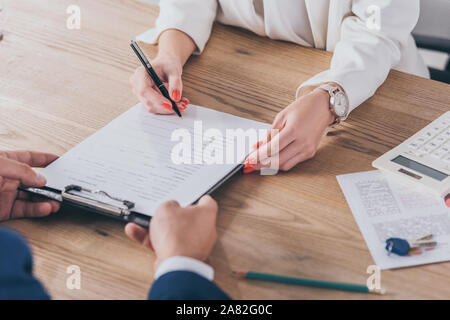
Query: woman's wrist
x=176, y=44
x=323, y=105
x=322, y=96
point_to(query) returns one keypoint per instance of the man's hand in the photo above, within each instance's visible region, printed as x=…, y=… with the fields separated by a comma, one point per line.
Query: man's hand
x=176, y=231
x=15, y=169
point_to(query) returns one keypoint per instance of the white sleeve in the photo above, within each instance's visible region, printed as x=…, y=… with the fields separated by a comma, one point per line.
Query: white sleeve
x=193, y=17
x=179, y=263
x=364, y=55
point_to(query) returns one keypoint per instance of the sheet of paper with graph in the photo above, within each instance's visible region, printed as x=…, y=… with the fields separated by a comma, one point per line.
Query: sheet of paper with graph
x=384, y=207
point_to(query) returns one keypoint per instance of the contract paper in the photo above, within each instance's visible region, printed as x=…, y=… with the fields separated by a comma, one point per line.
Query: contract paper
x=384, y=207
x=131, y=158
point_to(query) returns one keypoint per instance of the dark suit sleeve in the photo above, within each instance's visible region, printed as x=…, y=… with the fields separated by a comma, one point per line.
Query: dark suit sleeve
x=16, y=278
x=185, y=285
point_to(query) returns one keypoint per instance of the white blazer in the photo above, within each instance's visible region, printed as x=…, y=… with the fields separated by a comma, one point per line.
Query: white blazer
x=363, y=55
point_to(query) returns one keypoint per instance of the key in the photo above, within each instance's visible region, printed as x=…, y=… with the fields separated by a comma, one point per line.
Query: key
x=426, y=149
x=433, y=145
x=440, y=152
x=427, y=237
x=420, y=140
x=425, y=241
x=440, y=139
x=447, y=158
x=403, y=247
x=437, y=128
x=414, y=145
x=397, y=246
x=444, y=123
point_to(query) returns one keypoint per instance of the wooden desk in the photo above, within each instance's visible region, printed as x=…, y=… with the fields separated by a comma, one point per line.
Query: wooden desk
x=58, y=86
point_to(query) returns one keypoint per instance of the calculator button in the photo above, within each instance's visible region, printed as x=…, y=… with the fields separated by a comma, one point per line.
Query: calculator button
x=428, y=134
x=420, y=140
x=433, y=144
x=439, y=153
x=414, y=144
x=440, y=139
x=447, y=158
x=417, y=153
x=437, y=128
x=425, y=149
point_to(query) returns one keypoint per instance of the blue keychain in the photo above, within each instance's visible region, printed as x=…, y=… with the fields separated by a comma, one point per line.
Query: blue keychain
x=402, y=247
x=398, y=246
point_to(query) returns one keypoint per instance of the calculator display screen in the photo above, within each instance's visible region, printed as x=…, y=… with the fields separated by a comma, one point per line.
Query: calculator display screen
x=411, y=164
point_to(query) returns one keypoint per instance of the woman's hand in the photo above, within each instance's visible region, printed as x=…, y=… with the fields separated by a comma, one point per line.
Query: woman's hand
x=169, y=71
x=15, y=169
x=297, y=132
x=174, y=48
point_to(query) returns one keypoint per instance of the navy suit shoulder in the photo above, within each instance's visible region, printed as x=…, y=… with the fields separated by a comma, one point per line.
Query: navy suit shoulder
x=16, y=278
x=185, y=285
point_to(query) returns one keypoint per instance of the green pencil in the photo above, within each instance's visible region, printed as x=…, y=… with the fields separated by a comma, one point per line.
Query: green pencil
x=307, y=282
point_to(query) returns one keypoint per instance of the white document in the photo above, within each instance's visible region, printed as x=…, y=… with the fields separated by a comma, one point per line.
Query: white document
x=131, y=157
x=384, y=207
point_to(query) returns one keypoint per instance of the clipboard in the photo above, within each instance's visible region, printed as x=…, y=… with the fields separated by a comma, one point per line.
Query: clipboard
x=80, y=197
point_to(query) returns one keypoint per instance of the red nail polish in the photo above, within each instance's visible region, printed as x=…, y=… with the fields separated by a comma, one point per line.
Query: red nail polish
x=256, y=145
x=167, y=106
x=249, y=170
x=185, y=100
x=447, y=201
x=176, y=95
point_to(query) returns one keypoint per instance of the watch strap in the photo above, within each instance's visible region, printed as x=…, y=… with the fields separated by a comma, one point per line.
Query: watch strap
x=332, y=90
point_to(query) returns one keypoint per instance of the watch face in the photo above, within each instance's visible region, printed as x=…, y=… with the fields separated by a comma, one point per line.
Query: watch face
x=340, y=104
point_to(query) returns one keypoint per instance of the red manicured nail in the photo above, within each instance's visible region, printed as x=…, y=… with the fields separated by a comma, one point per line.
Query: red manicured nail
x=185, y=100
x=256, y=145
x=176, y=95
x=447, y=200
x=167, y=106
x=249, y=170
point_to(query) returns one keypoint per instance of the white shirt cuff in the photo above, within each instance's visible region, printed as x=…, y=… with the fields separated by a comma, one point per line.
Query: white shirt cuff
x=180, y=263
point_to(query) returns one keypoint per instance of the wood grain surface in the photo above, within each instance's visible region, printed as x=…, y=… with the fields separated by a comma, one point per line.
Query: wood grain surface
x=58, y=86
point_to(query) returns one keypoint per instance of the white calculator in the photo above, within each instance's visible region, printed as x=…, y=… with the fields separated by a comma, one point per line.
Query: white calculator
x=424, y=158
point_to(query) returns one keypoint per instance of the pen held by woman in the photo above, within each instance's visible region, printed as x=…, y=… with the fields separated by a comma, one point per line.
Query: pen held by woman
x=151, y=90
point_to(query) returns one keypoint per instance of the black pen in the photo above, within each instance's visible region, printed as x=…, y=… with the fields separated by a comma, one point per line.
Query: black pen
x=151, y=72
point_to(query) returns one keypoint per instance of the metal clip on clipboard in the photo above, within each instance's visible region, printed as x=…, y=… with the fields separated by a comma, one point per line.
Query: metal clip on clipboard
x=69, y=195
x=72, y=195
x=78, y=196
